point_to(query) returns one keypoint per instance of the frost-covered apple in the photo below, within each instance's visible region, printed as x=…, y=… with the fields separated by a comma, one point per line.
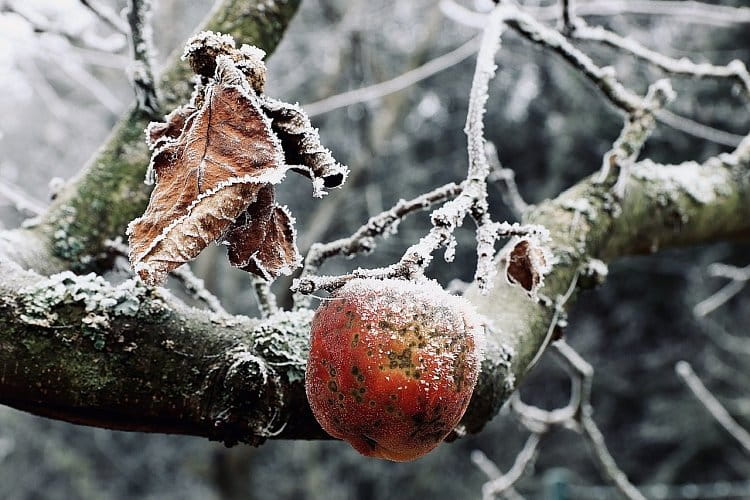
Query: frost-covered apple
x=392, y=365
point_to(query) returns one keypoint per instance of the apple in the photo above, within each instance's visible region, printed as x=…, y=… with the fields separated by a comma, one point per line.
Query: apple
x=392, y=365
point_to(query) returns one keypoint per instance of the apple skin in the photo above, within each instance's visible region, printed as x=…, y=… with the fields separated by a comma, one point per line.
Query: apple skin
x=392, y=365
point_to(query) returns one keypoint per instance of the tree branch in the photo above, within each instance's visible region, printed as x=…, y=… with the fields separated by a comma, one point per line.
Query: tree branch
x=163, y=367
x=79, y=349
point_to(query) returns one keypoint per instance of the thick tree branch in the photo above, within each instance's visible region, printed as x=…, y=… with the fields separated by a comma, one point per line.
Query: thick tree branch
x=664, y=206
x=157, y=366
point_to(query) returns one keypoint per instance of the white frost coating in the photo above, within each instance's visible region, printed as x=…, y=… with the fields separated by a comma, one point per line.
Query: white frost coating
x=701, y=183
x=450, y=249
x=225, y=72
x=296, y=124
x=207, y=39
x=412, y=297
x=286, y=270
x=100, y=299
x=540, y=261
x=271, y=177
x=582, y=206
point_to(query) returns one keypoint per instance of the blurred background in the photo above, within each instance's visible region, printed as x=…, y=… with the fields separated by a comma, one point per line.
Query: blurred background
x=64, y=81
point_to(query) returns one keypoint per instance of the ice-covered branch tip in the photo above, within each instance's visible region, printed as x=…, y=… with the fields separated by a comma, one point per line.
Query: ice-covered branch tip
x=363, y=240
x=735, y=70
x=638, y=127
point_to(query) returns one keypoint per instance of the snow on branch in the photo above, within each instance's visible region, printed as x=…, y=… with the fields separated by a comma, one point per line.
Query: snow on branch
x=680, y=10
x=105, y=14
x=638, y=127
x=735, y=70
x=363, y=240
x=142, y=48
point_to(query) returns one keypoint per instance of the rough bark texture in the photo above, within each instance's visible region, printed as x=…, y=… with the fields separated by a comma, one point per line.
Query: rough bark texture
x=79, y=349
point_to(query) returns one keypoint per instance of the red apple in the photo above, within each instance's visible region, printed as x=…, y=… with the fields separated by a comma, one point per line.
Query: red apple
x=392, y=365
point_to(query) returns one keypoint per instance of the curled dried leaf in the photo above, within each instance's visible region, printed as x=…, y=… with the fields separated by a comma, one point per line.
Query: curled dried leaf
x=527, y=263
x=204, y=50
x=215, y=161
x=159, y=133
x=206, y=177
x=266, y=244
x=302, y=146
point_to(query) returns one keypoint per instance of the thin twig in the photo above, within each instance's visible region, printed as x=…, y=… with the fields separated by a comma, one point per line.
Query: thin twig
x=690, y=11
x=106, y=15
x=536, y=32
x=197, y=288
x=696, y=129
x=142, y=73
x=499, y=483
x=638, y=127
x=568, y=15
x=363, y=240
x=91, y=84
x=685, y=11
x=183, y=274
x=732, y=344
x=559, y=310
x=739, y=276
x=20, y=198
x=505, y=179
x=579, y=367
x=714, y=407
x=393, y=85
x=265, y=297
x=735, y=70
x=471, y=201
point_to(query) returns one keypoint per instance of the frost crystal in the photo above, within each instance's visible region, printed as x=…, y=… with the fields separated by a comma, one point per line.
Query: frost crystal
x=100, y=300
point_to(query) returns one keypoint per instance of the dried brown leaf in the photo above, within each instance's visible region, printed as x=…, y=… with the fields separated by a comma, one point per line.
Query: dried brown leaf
x=265, y=243
x=302, y=146
x=159, y=133
x=526, y=265
x=206, y=177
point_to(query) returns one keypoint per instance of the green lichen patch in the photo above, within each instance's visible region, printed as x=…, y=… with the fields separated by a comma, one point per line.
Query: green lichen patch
x=97, y=301
x=283, y=341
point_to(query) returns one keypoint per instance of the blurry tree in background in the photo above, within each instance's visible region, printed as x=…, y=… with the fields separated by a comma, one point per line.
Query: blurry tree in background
x=388, y=84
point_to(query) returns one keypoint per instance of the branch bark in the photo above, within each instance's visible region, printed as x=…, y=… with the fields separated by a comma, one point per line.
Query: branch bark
x=161, y=367
x=76, y=348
